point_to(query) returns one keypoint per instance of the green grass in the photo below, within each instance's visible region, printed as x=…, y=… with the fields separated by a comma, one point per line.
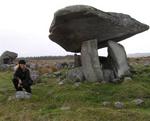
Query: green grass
x=85, y=101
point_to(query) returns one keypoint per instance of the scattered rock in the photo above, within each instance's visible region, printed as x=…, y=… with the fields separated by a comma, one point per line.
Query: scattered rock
x=8, y=57
x=147, y=64
x=65, y=108
x=34, y=75
x=138, y=102
x=23, y=95
x=116, y=80
x=71, y=65
x=3, y=67
x=10, y=98
x=106, y=103
x=127, y=79
x=50, y=93
x=103, y=82
x=57, y=74
x=76, y=75
x=77, y=84
x=61, y=65
x=58, y=66
x=61, y=83
x=119, y=105
x=33, y=66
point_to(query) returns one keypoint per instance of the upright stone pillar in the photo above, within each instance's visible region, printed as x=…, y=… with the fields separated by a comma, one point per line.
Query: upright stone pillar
x=118, y=59
x=90, y=61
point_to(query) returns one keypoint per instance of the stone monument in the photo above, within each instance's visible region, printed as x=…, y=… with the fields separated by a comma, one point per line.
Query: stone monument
x=85, y=29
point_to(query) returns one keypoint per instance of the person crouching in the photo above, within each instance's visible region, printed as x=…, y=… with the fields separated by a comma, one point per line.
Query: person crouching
x=22, y=79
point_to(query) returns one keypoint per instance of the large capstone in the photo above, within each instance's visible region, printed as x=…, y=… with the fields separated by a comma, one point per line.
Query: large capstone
x=73, y=25
x=8, y=57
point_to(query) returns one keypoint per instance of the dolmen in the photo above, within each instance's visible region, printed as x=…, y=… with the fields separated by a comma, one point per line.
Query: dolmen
x=85, y=29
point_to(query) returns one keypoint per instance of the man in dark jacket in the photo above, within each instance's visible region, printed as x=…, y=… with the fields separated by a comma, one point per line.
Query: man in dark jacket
x=22, y=77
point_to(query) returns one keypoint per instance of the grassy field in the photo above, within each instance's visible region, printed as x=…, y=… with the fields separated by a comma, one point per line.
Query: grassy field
x=53, y=102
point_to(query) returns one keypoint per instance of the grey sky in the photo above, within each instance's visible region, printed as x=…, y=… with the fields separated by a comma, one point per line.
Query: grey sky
x=24, y=24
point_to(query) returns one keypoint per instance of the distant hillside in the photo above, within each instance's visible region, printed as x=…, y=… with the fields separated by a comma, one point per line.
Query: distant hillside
x=133, y=55
x=48, y=57
x=136, y=55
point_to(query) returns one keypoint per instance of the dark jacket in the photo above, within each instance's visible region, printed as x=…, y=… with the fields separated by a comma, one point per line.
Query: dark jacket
x=24, y=76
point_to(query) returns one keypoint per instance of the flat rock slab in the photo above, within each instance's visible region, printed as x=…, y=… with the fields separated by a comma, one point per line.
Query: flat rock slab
x=74, y=24
x=23, y=95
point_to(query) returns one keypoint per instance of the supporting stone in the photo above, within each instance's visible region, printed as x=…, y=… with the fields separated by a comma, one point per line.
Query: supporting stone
x=77, y=60
x=118, y=59
x=90, y=61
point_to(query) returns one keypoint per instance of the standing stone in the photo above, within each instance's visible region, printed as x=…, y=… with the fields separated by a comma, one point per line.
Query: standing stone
x=90, y=61
x=118, y=59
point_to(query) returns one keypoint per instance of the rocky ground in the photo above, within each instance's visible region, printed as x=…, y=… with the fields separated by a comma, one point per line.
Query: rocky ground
x=57, y=100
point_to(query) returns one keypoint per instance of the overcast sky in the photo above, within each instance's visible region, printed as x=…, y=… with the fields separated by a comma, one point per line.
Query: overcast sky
x=24, y=24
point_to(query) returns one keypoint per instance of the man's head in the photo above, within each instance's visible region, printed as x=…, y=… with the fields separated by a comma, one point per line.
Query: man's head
x=22, y=64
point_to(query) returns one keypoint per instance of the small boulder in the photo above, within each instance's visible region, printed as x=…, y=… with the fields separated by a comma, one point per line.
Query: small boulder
x=127, y=79
x=76, y=75
x=77, y=84
x=3, y=67
x=10, y=98
x=65, y=108
x=23, y=95
x=106, y=103
x=61, y=83
x=8, y=57
x=138, y=102
x=57, y=74
x=119, y=105
x=34, y=75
